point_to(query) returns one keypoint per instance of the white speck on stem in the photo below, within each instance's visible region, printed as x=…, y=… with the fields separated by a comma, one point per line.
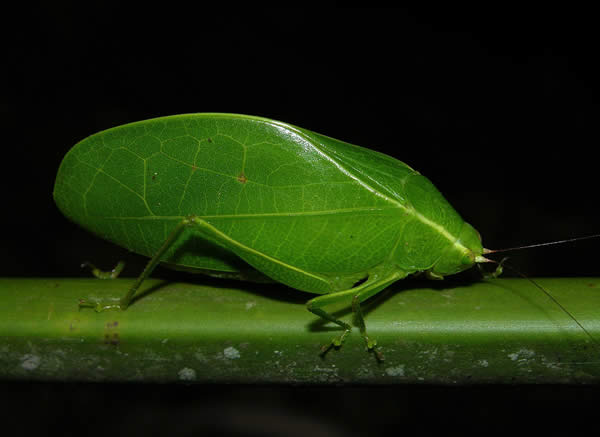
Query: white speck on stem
x=324, y=369
x=187, y=374
x=395, y=371
x=522, y=355
x=30, y=361
x=231, y=353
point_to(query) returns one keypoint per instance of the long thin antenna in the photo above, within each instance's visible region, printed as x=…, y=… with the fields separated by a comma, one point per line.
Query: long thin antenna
x=551, y=243
x=547, y=293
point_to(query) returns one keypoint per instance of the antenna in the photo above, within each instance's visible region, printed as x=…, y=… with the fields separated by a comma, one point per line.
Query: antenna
x=551, y=243
x=502, y=264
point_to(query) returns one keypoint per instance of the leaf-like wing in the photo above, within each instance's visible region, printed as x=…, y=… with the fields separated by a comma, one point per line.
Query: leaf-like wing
x=313, y=202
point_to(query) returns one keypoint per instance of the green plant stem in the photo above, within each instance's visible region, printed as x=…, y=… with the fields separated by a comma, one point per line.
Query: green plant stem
x=497, y=331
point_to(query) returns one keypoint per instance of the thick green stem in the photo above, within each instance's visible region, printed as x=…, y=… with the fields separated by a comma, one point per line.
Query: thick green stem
x=501, y=331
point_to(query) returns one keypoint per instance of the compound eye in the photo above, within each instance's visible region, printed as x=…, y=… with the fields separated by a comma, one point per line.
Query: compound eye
x=468, y=259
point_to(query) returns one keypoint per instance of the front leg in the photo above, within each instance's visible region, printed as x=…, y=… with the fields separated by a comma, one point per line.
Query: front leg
x=373, y=285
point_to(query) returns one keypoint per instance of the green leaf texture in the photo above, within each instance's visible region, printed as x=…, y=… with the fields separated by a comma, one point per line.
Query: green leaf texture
x=318, y=204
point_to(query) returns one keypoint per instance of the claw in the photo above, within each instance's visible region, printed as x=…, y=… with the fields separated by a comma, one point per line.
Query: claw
x=101, y=274
x=97, y=306
x=371, y=343
x=378, y=355
x=325, y=348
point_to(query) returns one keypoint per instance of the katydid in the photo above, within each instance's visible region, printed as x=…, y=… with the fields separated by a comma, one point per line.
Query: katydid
x=248, y=197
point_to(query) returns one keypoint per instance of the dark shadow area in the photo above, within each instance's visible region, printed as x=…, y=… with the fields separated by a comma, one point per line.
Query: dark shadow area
x=189, y=243
x=271, y=290
x=179, y=410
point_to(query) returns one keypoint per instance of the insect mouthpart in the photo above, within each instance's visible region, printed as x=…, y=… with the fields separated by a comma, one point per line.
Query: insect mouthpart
x=483, y=259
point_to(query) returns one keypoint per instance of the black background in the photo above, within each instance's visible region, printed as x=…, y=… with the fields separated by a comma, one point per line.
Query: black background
x=497, y=107
x=498, y=110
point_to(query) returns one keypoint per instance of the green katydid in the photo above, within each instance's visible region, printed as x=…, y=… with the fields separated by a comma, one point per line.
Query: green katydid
x=241, y=196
